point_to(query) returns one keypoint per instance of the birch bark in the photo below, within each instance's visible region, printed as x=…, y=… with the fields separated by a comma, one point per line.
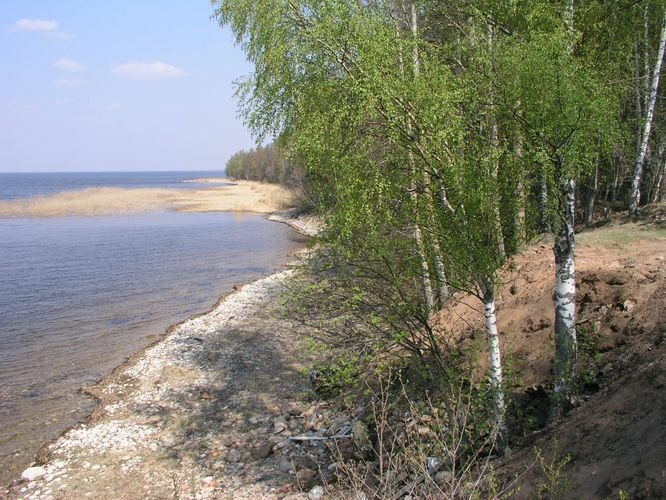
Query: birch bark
x=564, y=378
x=495, y=367
x=441, y=281
x=635, y=196
x=426, y=275
x=565, y=309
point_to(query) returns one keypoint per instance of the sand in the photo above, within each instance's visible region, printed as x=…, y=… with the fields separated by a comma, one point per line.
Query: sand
x=243, y=196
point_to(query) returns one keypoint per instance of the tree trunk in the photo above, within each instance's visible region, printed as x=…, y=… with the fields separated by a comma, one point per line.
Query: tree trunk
x=635, y=196
x=520, y=220
x=441, y=281
x=565, y=308
x=591, y=195
x=494, y=142
x=426, y=275
x=423, y=258
x=564, y=378
x=544, y=216
x=659, y=179
x=495, y=367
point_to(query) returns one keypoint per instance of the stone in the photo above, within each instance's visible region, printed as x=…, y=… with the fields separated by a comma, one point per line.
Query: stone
x=443, y=477
x=285, y=464
x=305, y=476
x=290, y=409
x=262, y=450
x=360, y=435
x=152, y=420
x=233, y=456
x=279, y=425
x=168, y=441
x=316, y=493
x=33, y=473
x=339, y=422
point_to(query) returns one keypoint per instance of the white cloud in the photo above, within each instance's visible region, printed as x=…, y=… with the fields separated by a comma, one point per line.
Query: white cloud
x=147, y=71
x=68, y=82
x=69, y=65
x=45, y=27
x=35, y=25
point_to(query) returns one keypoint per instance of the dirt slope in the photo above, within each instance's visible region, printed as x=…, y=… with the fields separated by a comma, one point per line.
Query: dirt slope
x=616, y=437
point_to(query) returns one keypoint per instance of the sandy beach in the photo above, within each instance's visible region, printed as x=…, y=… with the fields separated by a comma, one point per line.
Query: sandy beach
x=241, y=196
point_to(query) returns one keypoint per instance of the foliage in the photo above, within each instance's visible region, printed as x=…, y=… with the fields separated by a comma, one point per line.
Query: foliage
x=555, y=484
x=436, y=138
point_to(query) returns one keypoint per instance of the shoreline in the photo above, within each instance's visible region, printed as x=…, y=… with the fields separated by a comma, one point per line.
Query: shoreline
x=236, y=299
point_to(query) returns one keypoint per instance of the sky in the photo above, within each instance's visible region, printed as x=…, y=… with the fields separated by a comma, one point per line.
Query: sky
x=122, y=85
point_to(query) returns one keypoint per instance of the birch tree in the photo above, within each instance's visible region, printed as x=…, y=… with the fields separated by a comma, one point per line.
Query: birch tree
x=567, y=115
x=635, y=194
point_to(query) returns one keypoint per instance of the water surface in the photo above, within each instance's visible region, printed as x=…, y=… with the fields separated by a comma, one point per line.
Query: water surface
x=78, y=295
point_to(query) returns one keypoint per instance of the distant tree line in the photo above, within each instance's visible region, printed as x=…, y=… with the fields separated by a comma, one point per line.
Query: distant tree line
x=265, y=164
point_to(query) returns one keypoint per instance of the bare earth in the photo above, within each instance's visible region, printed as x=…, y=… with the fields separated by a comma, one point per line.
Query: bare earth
x=242, y=196
x=616, y=437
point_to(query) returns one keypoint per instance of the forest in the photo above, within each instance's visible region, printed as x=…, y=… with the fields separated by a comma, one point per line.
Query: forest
x=438, y=138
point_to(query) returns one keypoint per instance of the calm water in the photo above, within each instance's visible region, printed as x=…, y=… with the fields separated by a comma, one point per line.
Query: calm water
x=13, y=186
x=78, y=295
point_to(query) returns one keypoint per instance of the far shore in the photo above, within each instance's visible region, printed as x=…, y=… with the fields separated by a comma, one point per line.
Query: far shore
x=240, y=196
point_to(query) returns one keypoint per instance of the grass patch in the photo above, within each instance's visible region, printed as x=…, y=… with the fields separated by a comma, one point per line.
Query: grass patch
x=620, y=236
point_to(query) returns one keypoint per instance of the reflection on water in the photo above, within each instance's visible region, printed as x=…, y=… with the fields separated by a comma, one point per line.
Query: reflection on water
x=79, y=295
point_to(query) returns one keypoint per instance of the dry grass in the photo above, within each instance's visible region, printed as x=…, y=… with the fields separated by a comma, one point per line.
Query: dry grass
x=91, y=201
x=618, y=236
x=244, y=196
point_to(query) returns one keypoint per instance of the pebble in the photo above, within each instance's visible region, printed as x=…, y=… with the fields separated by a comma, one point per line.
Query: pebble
x=304, y=476
x=285, y=464
x=443, y=477
x=233, y=456
x=262, y=450
x=33, y=473
x=279, y=425
x=316, y=493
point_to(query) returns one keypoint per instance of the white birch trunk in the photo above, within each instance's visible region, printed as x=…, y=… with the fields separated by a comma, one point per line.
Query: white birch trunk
x=639, y=99
x=635, y=196
x=426, y=275
x=565, y=309
x=442, y=286
x=494, y=141
x=660, y=174
x=495, y=368
x=564, y=379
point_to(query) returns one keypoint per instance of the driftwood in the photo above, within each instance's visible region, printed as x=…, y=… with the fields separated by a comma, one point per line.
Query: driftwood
x=343, y=432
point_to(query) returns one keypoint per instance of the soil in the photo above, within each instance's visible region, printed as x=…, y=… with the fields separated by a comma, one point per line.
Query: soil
x=615, y=439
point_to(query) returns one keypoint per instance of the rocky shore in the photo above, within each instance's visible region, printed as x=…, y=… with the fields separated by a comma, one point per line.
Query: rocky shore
x=220, y=407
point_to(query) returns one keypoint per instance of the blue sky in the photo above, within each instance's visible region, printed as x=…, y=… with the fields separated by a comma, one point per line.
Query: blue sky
x=100, y=85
